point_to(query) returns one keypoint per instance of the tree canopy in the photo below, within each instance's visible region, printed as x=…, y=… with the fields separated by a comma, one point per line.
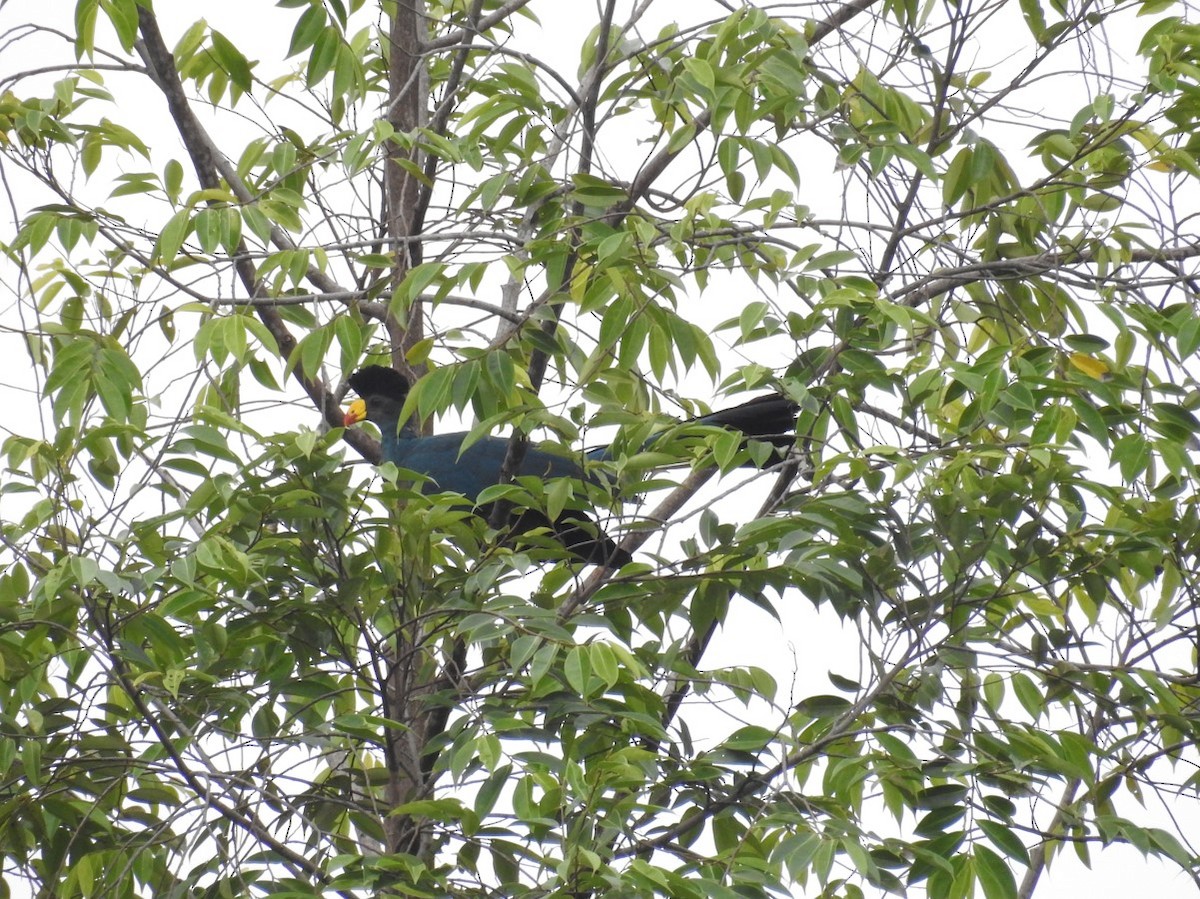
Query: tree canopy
x=961, y=236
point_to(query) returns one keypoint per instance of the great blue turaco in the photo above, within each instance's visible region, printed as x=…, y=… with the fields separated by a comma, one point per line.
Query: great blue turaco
x=441, y=458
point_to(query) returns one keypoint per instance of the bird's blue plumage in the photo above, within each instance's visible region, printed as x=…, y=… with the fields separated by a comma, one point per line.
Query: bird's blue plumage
x=470, y=471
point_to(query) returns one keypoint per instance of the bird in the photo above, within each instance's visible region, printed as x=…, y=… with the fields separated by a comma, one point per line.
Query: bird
x=441, y=458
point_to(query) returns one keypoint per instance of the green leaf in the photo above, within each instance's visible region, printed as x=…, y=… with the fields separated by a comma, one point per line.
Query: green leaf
x=230, y=58
x=994, y=875
x=1035, y=19
x=750, y=738
x=1006, y=840
x=85, y=27
x=123, y=14
x=308, y=29
x=1028, y=694
x=172, y=236
x=91, y=152
x=1188, y=339
x=824, y=706
x=577, y=669
x=323, y=56
x=603, y=659
x=958, y=177
x=349, y=333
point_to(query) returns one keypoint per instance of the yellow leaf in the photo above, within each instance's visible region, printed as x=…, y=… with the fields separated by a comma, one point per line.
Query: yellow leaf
x=1090, y=365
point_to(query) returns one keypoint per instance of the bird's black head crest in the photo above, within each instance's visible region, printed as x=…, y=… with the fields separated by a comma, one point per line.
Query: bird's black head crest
x=377, y=380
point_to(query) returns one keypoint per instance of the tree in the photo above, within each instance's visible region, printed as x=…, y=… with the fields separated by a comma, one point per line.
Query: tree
x=235, y=664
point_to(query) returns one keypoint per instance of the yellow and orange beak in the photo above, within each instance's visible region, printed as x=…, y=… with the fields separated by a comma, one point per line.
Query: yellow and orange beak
x=356, y=412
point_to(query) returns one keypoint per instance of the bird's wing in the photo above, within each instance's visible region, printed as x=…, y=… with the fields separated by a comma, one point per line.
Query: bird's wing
x=470, y=471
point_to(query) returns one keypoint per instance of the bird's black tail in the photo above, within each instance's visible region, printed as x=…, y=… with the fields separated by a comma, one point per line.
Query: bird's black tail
x=772, y=415
x=769, y=419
